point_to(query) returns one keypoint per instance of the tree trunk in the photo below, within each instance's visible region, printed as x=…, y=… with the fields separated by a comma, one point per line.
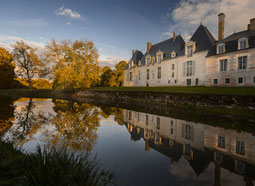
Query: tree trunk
x=30, y=84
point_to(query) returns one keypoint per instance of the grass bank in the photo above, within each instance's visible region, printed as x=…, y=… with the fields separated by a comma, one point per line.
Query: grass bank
x=187, y=90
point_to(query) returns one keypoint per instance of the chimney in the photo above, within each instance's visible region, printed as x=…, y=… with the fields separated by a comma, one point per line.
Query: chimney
x=174, y=36
x=251, y=26
x=133, y=52
x=148, y=47
x=221, y=26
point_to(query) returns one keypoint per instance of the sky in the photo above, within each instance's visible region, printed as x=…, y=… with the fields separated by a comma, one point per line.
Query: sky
x=116, y=26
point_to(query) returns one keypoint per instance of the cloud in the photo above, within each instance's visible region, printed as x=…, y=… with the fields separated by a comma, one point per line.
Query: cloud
x=62, y=11
x=68, y=23
x=110, y=61
x=188, y=14
x=6, y=41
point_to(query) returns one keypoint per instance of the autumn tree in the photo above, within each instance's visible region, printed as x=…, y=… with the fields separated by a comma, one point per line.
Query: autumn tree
x=27, y=61
x=119, y=73
x=108, y=77
x=7, y=67
x=75, y=64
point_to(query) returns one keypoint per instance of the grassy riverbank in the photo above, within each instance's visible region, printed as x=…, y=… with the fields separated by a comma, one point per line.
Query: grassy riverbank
x=187, y=90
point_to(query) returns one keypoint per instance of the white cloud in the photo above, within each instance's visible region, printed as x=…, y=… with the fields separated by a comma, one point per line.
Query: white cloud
x=6, y=41
x=188, y=14
x=62, y=11
x=110, y=61
x=68, y=23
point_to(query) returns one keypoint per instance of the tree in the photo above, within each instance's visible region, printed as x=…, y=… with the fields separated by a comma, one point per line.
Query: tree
x=76, y=64
x=7, y=67
x=27, y=61
x=119, y=72
x=108, y=77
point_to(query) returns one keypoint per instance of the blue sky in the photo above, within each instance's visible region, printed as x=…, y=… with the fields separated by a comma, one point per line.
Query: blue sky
x=115, y=26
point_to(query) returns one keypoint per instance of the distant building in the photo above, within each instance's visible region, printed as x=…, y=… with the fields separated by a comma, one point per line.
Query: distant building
x=202, y=61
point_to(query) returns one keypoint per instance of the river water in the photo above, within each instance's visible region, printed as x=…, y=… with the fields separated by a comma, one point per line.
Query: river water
x=138, y=147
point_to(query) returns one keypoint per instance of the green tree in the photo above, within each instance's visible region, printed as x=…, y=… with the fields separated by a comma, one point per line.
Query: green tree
x=119, y=73
x=76, y=64
x=7, y=67
x=27, y=61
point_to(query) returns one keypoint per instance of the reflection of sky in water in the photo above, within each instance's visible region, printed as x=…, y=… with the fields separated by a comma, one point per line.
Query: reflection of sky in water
x=129, y=161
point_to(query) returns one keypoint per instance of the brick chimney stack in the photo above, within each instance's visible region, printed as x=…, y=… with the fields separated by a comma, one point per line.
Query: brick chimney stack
x=221, y=26
x=148, y=47
x=133, y=52
x=251, y=26
x=174, y=36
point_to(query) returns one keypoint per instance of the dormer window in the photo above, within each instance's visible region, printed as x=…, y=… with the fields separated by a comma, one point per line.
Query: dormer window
x=190, y=51
x=221, y=48
x=242, y=43
x=153, y=60
x=159, y=58
x=173, y=54
x=148, y=60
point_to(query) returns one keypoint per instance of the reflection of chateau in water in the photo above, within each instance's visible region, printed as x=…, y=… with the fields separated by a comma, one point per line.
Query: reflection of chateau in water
x=199, y=144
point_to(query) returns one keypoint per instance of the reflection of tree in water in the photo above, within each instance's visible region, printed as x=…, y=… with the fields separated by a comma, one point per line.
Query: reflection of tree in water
x=6, y=114
x=27, y=123
x=116, y=112
x=75, y=125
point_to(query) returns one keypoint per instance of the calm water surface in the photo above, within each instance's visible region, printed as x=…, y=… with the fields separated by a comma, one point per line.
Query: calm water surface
x=139, y=148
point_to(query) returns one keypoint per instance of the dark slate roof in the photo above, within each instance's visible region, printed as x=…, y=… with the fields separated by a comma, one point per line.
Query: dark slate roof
x=167, y=47
x=135, y=58
x=203, y=38
x=231, y=42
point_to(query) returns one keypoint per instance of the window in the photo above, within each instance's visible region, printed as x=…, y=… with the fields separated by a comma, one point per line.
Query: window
x=218, y=157
x=130, y=115
x=189, y=68
x=147, y=120
x=159, y=58
x=175, y=81
x=168, y=81
x=239, y=166
x=172, y=122
x=242, y=63
x=171, y=131
x=240, y=147
x=223, y=65
x=159, y=72
x=148, y=74
x=139, y=75
x=240, y=80
x=172, y=66
x=215, y=81
x=130, y=76
x=196, y=81
x=243, y=43
x=187, y=132
x=148, y=61
x=172, y=74
x=153, y=60
x=227, y=81
x=158, y=123
x=221, y=141
x=190, y=51
x=173, y=54
x=187, y=149
x=221, y=48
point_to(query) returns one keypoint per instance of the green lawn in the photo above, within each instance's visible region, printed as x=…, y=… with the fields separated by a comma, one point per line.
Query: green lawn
x=189, y=90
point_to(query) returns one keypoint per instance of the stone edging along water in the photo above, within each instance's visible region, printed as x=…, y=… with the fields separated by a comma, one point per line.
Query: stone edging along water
x=165, y=98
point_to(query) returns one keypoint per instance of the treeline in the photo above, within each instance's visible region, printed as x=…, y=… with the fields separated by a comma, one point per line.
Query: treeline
x=66, y=64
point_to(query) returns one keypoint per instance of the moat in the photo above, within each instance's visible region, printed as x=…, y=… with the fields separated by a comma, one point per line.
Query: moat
x=140, y=148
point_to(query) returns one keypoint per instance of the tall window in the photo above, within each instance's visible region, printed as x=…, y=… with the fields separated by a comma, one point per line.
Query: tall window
x=159, y=58
x=190, y=51
x=172, y=66
x=159, y=72
x=242, y=63
x=223, y=65
x=189, y=68
x=158, y=123
x=240, y=147
x=148, y=61
x=153, y=60
x=139, y=75
x=130, y=76
x=221, y=141
x=147, y=120
x=172, y=74
x=187, y=131
x=148, y=74
x=130, y=115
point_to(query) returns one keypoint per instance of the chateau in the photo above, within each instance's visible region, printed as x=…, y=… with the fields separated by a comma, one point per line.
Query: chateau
x=202, y=61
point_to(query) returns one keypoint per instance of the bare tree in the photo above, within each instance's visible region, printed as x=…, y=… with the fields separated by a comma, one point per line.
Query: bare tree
x=27, y=61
